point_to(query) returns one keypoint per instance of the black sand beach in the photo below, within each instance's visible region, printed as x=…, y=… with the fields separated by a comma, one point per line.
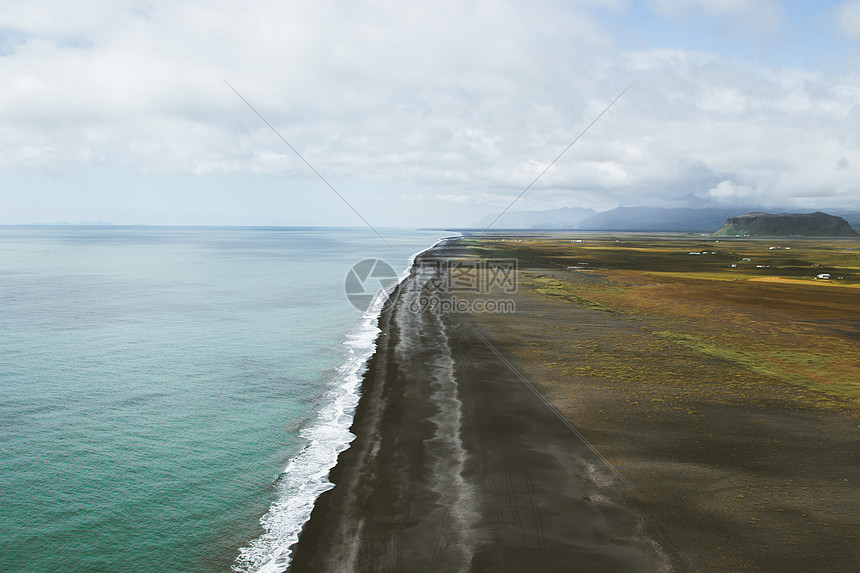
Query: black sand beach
x=460, y=465
x=478, y=438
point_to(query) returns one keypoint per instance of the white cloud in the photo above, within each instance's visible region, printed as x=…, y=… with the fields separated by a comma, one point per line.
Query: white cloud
x=765, y=14
x=847, y=18
x=728, y=192
x=468, y=101
x=457, y=199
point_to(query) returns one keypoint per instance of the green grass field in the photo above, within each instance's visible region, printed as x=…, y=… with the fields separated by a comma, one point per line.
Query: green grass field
x=757, y=304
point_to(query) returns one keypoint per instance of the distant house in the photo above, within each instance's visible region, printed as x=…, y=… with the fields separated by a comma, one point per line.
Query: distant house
x=824, y=276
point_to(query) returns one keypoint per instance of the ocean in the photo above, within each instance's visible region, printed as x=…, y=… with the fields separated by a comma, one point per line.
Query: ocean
x=172, y=399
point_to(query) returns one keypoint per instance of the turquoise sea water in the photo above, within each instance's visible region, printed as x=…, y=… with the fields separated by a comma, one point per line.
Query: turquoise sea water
x=155, y=383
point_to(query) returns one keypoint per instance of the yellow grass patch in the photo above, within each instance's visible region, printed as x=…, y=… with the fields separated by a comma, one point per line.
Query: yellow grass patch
x=806, y=282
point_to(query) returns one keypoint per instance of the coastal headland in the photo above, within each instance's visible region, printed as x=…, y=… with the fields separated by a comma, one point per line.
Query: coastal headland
x=606, y=403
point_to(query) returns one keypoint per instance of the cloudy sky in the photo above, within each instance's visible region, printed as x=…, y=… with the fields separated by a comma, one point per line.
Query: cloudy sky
x=422, y=113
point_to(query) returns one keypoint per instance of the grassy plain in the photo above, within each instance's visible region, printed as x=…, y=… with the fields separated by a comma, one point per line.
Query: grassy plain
x=727, y=397
x=769, y=314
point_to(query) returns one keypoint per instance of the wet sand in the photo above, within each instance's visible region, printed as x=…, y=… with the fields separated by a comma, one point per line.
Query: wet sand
x=460, y=465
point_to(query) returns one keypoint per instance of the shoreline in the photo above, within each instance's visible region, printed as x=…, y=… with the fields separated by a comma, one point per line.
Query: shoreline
x=308, y=478
x=458, y=465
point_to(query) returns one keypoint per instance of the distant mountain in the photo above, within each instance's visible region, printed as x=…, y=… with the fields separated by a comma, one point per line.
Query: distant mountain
x=816, y=224
x=647, y=219
x=852, y=217
x=679, y=220
x=564, y=218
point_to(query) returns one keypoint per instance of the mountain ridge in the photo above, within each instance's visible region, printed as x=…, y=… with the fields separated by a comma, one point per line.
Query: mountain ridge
x=760, y=224
x=632, y=219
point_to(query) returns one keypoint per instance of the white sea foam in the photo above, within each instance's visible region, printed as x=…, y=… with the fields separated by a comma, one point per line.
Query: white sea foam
x=306, y=475
x=416, y=255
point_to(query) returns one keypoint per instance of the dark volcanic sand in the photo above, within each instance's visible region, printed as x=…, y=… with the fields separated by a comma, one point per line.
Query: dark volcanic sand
x=459, y=465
